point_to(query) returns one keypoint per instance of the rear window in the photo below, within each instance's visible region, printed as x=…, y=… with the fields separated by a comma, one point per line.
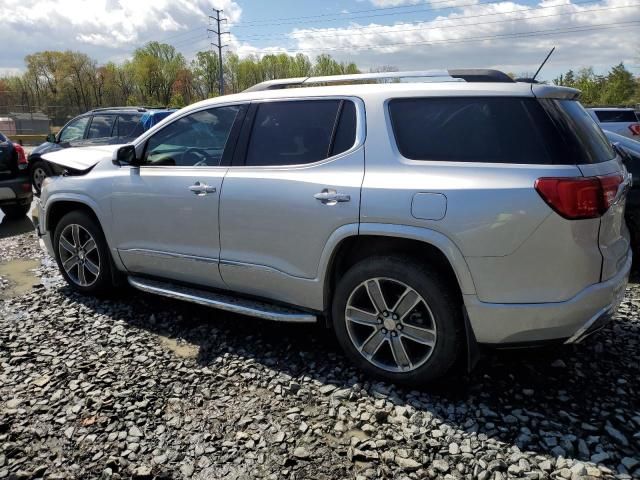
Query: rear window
x=473, y=129
x=582, y=139
x=624, y=116
x=127, y=123
x=101, y=126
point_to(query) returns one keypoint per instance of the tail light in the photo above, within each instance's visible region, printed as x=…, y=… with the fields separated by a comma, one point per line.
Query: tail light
x=579, y=197
x=635, y=128
x=23, y=163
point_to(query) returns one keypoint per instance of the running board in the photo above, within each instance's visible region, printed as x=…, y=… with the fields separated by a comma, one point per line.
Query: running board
x=266, y=311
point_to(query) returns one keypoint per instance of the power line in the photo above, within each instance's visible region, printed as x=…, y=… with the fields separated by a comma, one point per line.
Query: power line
x=342, y=15
x=374, y=30
x=558, y=31
x=219, y=45
x=447, y=6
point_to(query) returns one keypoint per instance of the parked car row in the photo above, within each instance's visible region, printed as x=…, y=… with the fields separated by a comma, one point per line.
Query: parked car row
x=359, y=206
x=101, y=126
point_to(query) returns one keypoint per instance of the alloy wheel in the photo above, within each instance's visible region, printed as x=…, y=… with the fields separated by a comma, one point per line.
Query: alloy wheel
x=79, y=255
x=38, y=177
x=390, y=325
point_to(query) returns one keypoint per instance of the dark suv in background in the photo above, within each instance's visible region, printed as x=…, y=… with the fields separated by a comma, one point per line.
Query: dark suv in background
x=101, y=126
x=15, y=190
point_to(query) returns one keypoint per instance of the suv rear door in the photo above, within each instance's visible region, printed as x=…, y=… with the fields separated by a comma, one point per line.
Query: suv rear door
x=295, y=180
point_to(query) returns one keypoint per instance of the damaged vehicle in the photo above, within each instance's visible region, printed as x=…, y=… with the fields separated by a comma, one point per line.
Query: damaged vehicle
x=357, y=206
x=100, y=126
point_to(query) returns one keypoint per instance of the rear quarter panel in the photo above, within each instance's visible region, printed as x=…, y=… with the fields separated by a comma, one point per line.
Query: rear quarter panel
x=517, y=248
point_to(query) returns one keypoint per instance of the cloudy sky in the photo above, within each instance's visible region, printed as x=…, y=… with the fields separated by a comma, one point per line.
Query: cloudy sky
x=407, y=34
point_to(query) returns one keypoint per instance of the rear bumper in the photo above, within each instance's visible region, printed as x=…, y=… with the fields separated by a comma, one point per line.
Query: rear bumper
x=573, y=320
x=15, y=191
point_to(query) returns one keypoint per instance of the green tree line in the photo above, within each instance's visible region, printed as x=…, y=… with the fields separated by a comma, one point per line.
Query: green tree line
x=64, y=84
x=616, y=88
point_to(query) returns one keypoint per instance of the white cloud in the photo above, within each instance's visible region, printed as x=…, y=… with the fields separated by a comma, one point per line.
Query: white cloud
x=444, y=41
x=104, y=29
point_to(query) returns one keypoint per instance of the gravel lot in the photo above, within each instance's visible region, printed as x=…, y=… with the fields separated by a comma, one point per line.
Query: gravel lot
x=144, y=387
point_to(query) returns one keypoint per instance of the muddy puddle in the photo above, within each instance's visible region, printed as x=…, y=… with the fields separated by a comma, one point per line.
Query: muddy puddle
x=17, y=277
x=180, y=349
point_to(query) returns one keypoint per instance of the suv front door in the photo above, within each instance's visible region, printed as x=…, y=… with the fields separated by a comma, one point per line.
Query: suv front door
x=295, y=180
x=166, y=209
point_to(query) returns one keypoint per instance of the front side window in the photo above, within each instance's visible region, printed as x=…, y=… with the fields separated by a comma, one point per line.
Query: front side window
x=300, y=132
x=194, y=140
x=75, y=130
x=101, y=126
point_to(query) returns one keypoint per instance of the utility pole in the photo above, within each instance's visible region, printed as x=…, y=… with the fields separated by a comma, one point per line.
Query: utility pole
x=219, y=45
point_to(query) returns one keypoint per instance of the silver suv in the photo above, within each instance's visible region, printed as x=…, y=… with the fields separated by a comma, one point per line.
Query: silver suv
x=418, y=219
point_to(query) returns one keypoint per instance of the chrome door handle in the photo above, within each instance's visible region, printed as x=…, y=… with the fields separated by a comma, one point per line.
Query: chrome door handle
x=328, y=196
x=201, y=189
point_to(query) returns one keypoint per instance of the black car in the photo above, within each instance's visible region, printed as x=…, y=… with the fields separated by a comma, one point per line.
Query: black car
x=15, y=188
x=101, y=126
x=630, y=151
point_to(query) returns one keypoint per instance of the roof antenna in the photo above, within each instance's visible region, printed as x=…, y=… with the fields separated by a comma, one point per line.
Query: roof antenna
x=542, y=65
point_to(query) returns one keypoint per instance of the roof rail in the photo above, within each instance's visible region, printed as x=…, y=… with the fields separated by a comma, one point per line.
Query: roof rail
x=132, y=107
x=476, y=75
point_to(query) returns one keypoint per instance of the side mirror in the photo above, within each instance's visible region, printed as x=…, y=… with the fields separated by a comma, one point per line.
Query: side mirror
x=51, y=138
x=125, y=155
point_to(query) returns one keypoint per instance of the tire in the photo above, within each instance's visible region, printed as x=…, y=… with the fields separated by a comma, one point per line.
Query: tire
x=88, y=269
x=436, y=320
x=15, y=212
x=39, y=171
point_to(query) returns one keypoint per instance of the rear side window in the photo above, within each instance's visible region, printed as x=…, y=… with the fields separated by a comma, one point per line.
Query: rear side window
x=582, y=139
x=345, y=134
x=623, y=116
x=101, y=126
x=127, y=123
x=470, y=129
x=300, y=132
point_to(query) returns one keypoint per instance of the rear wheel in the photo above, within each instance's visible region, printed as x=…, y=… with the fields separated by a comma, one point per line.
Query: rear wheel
x=39, y=171
x=82, y=253
x=15, y=212
x=397, y=320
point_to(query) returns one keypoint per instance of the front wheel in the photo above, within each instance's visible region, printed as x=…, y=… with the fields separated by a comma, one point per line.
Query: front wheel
x=398, y=320
x=82, y=253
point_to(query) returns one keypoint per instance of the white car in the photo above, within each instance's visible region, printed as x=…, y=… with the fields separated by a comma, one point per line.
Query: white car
x=622, y=121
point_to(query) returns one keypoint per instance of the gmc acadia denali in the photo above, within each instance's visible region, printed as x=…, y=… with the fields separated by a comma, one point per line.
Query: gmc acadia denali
x=417, y=218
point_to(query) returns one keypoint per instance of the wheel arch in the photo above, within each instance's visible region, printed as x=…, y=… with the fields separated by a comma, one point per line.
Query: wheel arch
x=58, y=206
x=386, y=239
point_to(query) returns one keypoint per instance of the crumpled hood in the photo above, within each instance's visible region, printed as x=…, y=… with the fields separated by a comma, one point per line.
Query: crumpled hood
x=81, y=158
